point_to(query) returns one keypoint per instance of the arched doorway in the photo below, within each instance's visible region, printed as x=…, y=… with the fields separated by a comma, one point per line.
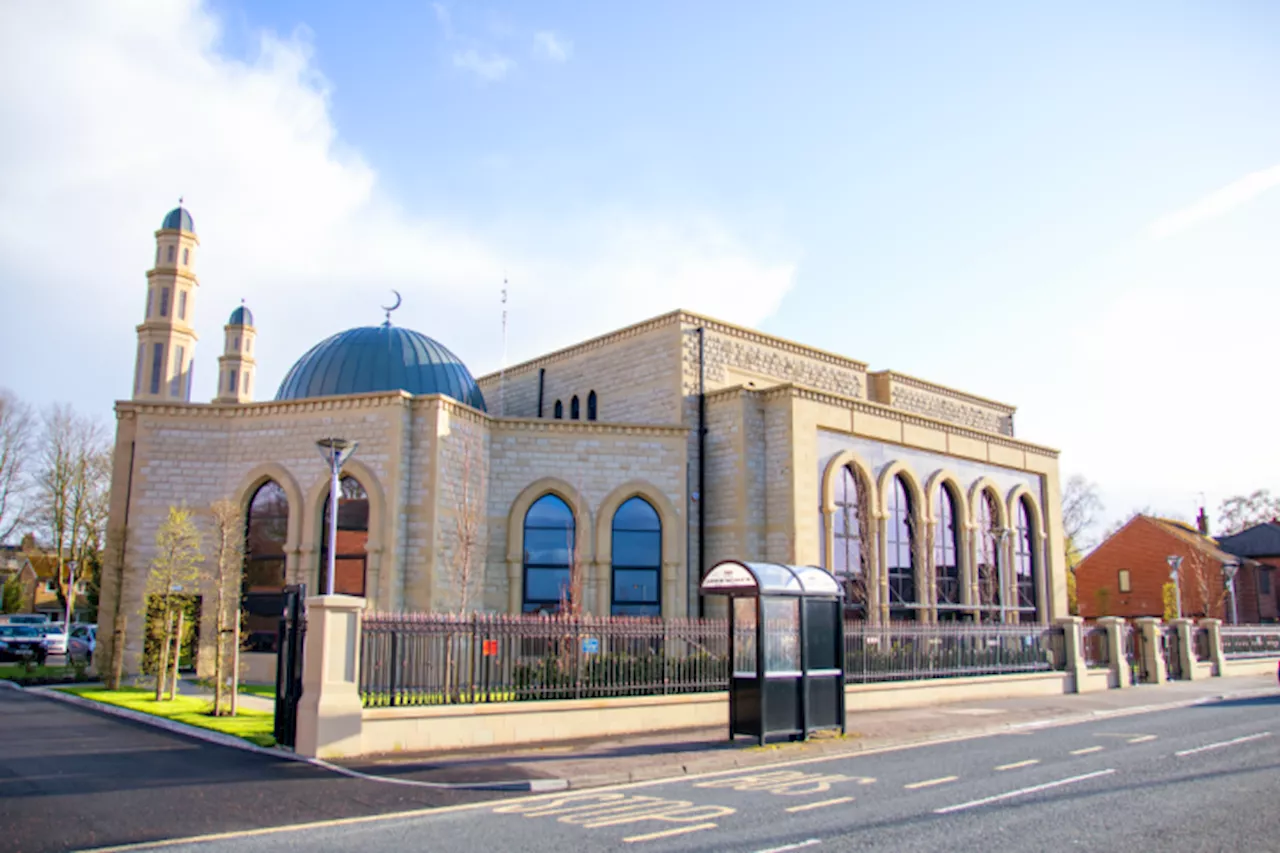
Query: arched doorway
x=266, y=531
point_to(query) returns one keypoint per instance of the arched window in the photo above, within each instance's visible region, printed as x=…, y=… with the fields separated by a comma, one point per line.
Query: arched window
x=182, y=305
x=945, y=550
x=266, y=531
x=591, y=406
x=848, y=558
x=548, y=554
x=186, y=257
x=637, y=559
x=352, y=559
x=1024, y=563
x=901, y=552
x=574, y=409
x=990, y=596
x=559, y=410
x=169, y=257
x=164, y=302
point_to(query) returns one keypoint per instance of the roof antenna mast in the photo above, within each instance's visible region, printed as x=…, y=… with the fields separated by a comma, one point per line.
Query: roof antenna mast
x=502, y=375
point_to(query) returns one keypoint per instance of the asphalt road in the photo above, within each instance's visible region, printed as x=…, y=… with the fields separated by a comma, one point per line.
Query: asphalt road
x=1191, y=779
x=73, y=778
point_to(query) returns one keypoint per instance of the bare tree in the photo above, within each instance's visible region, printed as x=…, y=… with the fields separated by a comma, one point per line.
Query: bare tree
x=228, y=562
x=16, y=428
x=1241, y=512
x=468, y=511
x=174, y=571
x=1203, y=585
x=1081, y=508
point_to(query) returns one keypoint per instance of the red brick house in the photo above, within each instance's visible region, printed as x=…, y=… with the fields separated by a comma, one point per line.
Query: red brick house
x=1259, y=548
x=1125, y=575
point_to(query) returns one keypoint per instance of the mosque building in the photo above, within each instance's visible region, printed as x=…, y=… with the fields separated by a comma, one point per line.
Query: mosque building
x=614, y=472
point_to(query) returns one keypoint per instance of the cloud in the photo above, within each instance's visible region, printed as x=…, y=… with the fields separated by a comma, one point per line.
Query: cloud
x=1217, y=203
x=136, y=104
x=493, y=66
x=551, y=46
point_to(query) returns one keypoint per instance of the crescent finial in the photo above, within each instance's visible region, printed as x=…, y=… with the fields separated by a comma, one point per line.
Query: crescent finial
x=391, y=308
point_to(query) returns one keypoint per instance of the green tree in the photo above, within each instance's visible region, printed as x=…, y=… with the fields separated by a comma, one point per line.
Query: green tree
x=11, y=599
x=228, y=561
x=171, y=581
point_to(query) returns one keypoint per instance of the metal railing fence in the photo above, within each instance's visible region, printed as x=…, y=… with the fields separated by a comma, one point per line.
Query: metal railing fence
x=1096, y=647
x=903, y=651
x=1200, y=644
x=1250, y=641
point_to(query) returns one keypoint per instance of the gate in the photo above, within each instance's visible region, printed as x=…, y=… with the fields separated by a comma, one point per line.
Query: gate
x=1169, y=648
x=291, y=631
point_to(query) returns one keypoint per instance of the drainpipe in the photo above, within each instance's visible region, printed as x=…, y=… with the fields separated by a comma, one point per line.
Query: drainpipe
x=702, y=460
x=542, y=374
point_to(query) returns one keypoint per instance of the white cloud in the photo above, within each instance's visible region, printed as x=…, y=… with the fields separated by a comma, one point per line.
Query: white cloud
x=553, y=47
x=492, y=66
x=135, y=105
x=1217, y=203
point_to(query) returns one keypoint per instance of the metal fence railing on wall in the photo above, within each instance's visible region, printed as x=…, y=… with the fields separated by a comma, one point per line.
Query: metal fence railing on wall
x=438, y=659
x=903, y=651
x=1097, y=647
x=1250, y=641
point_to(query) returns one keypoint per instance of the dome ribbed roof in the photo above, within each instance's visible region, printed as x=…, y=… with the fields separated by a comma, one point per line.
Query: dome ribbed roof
x=242, y=316
x=179, y=219
x=380, y=358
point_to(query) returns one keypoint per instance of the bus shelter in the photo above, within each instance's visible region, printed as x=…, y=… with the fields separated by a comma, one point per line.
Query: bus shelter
x=786, y=647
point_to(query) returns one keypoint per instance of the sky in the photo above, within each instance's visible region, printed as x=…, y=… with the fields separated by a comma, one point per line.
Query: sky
x=1072, y=208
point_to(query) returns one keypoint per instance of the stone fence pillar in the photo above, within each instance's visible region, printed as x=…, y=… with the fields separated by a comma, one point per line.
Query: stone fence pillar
x=1073, y=640
x=1214, y=627
x=1152, y=660
x=1115, y=628
x=330, y=714
x=1186, y=639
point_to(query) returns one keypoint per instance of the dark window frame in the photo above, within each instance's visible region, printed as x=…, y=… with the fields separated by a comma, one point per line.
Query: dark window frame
x=900, y=540
x=650, y=607
x=575, y=408
x=947, y=554
x=545, y=605
x=559, y=410
x=591, y=406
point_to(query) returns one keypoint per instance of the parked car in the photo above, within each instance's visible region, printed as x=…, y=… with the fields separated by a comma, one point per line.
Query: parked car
x=83, y=642
x=55, y=638
x=22, y=643
x=24, y=619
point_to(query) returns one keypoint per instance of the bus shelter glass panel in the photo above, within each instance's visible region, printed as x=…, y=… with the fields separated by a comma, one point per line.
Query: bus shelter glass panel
x=744, y=638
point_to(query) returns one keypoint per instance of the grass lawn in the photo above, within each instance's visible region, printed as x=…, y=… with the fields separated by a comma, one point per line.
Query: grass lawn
x=267, y=691
x=253, y=726
x=21, y=674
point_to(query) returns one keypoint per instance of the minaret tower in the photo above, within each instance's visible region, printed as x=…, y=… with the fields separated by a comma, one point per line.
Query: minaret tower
x=166, y=337
x=236, y=364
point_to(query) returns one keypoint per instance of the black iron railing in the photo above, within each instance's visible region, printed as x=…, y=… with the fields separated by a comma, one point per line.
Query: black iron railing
x=1097, y=648
x=903, y=651
x=1250, y=641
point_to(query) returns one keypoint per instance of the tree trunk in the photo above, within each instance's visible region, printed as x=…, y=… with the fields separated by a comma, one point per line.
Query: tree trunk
x=116, y=674
x=162, y=666
x=235, y=662
x=177, y=656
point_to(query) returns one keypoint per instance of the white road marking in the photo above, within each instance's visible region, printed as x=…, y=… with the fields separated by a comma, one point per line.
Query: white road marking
x=1221, y=744
x=1017, y=764
x=928, y=783
x=1142, y=739
x=667, y=833
x=809, y=843
x=820, y=804
x=1087, y=750
x=1020, y=792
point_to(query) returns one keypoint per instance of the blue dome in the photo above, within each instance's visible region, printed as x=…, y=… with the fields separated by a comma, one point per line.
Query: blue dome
x=179, y=219
x=242, y=316
x=380, y=358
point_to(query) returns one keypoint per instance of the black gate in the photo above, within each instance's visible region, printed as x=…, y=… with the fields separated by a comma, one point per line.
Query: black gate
x=1171, y=649
x=292, y=630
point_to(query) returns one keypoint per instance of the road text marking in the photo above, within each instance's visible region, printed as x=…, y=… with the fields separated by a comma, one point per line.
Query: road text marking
x=596, y=810
x=1015, y=765
x=667, y=833
x=1087, y=750
x=1142, y=738
x=1020, y=792
x=818, y=805
x=791, y=783
x=941, y=780
x=807, y=843
x=1207, y=747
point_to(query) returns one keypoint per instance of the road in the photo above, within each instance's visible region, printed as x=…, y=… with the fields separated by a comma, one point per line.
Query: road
x=1195, y=778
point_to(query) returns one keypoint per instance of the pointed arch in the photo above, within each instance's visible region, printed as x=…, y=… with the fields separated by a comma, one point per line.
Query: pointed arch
x=315, y=536
x=583, y=539
x=947, y=528
x=1030, y=577
x=672, y=544
x=251, y=482
x=981, y=485
x=591, y=406
x=904, y=581
x=914, y=492
x=575, y=408
x=849, y=528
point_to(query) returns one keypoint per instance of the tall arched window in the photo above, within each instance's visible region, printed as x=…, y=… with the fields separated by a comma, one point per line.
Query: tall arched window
x=945, y=556
x=1024, y=563
x=559, y=410
x=848, y=558
x=548, y=554
x=637, y=559
x=352, y=559
x=186, y=257
x=900, y=550
x=266, y=531
x=574, y=408
x=990, y=596
x=591, y=406
x=170, y=254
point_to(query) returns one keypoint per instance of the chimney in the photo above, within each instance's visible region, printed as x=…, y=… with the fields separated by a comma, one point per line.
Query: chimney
x=1202, y=522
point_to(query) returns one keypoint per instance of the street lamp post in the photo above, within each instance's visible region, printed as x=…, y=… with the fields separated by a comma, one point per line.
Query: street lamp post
x=335, y=451
x=1175, y=563
x=1230, y=569
x=71, y=590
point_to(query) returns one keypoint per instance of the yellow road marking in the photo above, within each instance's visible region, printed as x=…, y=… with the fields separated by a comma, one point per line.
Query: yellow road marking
x=941, y=780
x=667, y=833
x=1142, y=739
x=1087, y=750
x=821, y=804
x=1017, y=764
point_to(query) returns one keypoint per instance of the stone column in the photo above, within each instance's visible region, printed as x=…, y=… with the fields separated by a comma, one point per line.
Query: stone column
x=1214, y=627
x=671, y=603
x=1152, y=660
x=1073, y=640
x=1115, y=628
x=1186, y=640
x=330, y=715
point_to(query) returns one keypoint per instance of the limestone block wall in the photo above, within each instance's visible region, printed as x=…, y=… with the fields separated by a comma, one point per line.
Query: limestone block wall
x=936, y=401
x=635, y=373
x=460, y=529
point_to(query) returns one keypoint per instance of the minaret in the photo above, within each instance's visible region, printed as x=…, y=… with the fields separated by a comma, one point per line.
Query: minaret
x=236, y=364
x=166, y=337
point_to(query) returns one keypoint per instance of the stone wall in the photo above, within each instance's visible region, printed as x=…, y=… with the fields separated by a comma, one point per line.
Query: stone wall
x=935, y=401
